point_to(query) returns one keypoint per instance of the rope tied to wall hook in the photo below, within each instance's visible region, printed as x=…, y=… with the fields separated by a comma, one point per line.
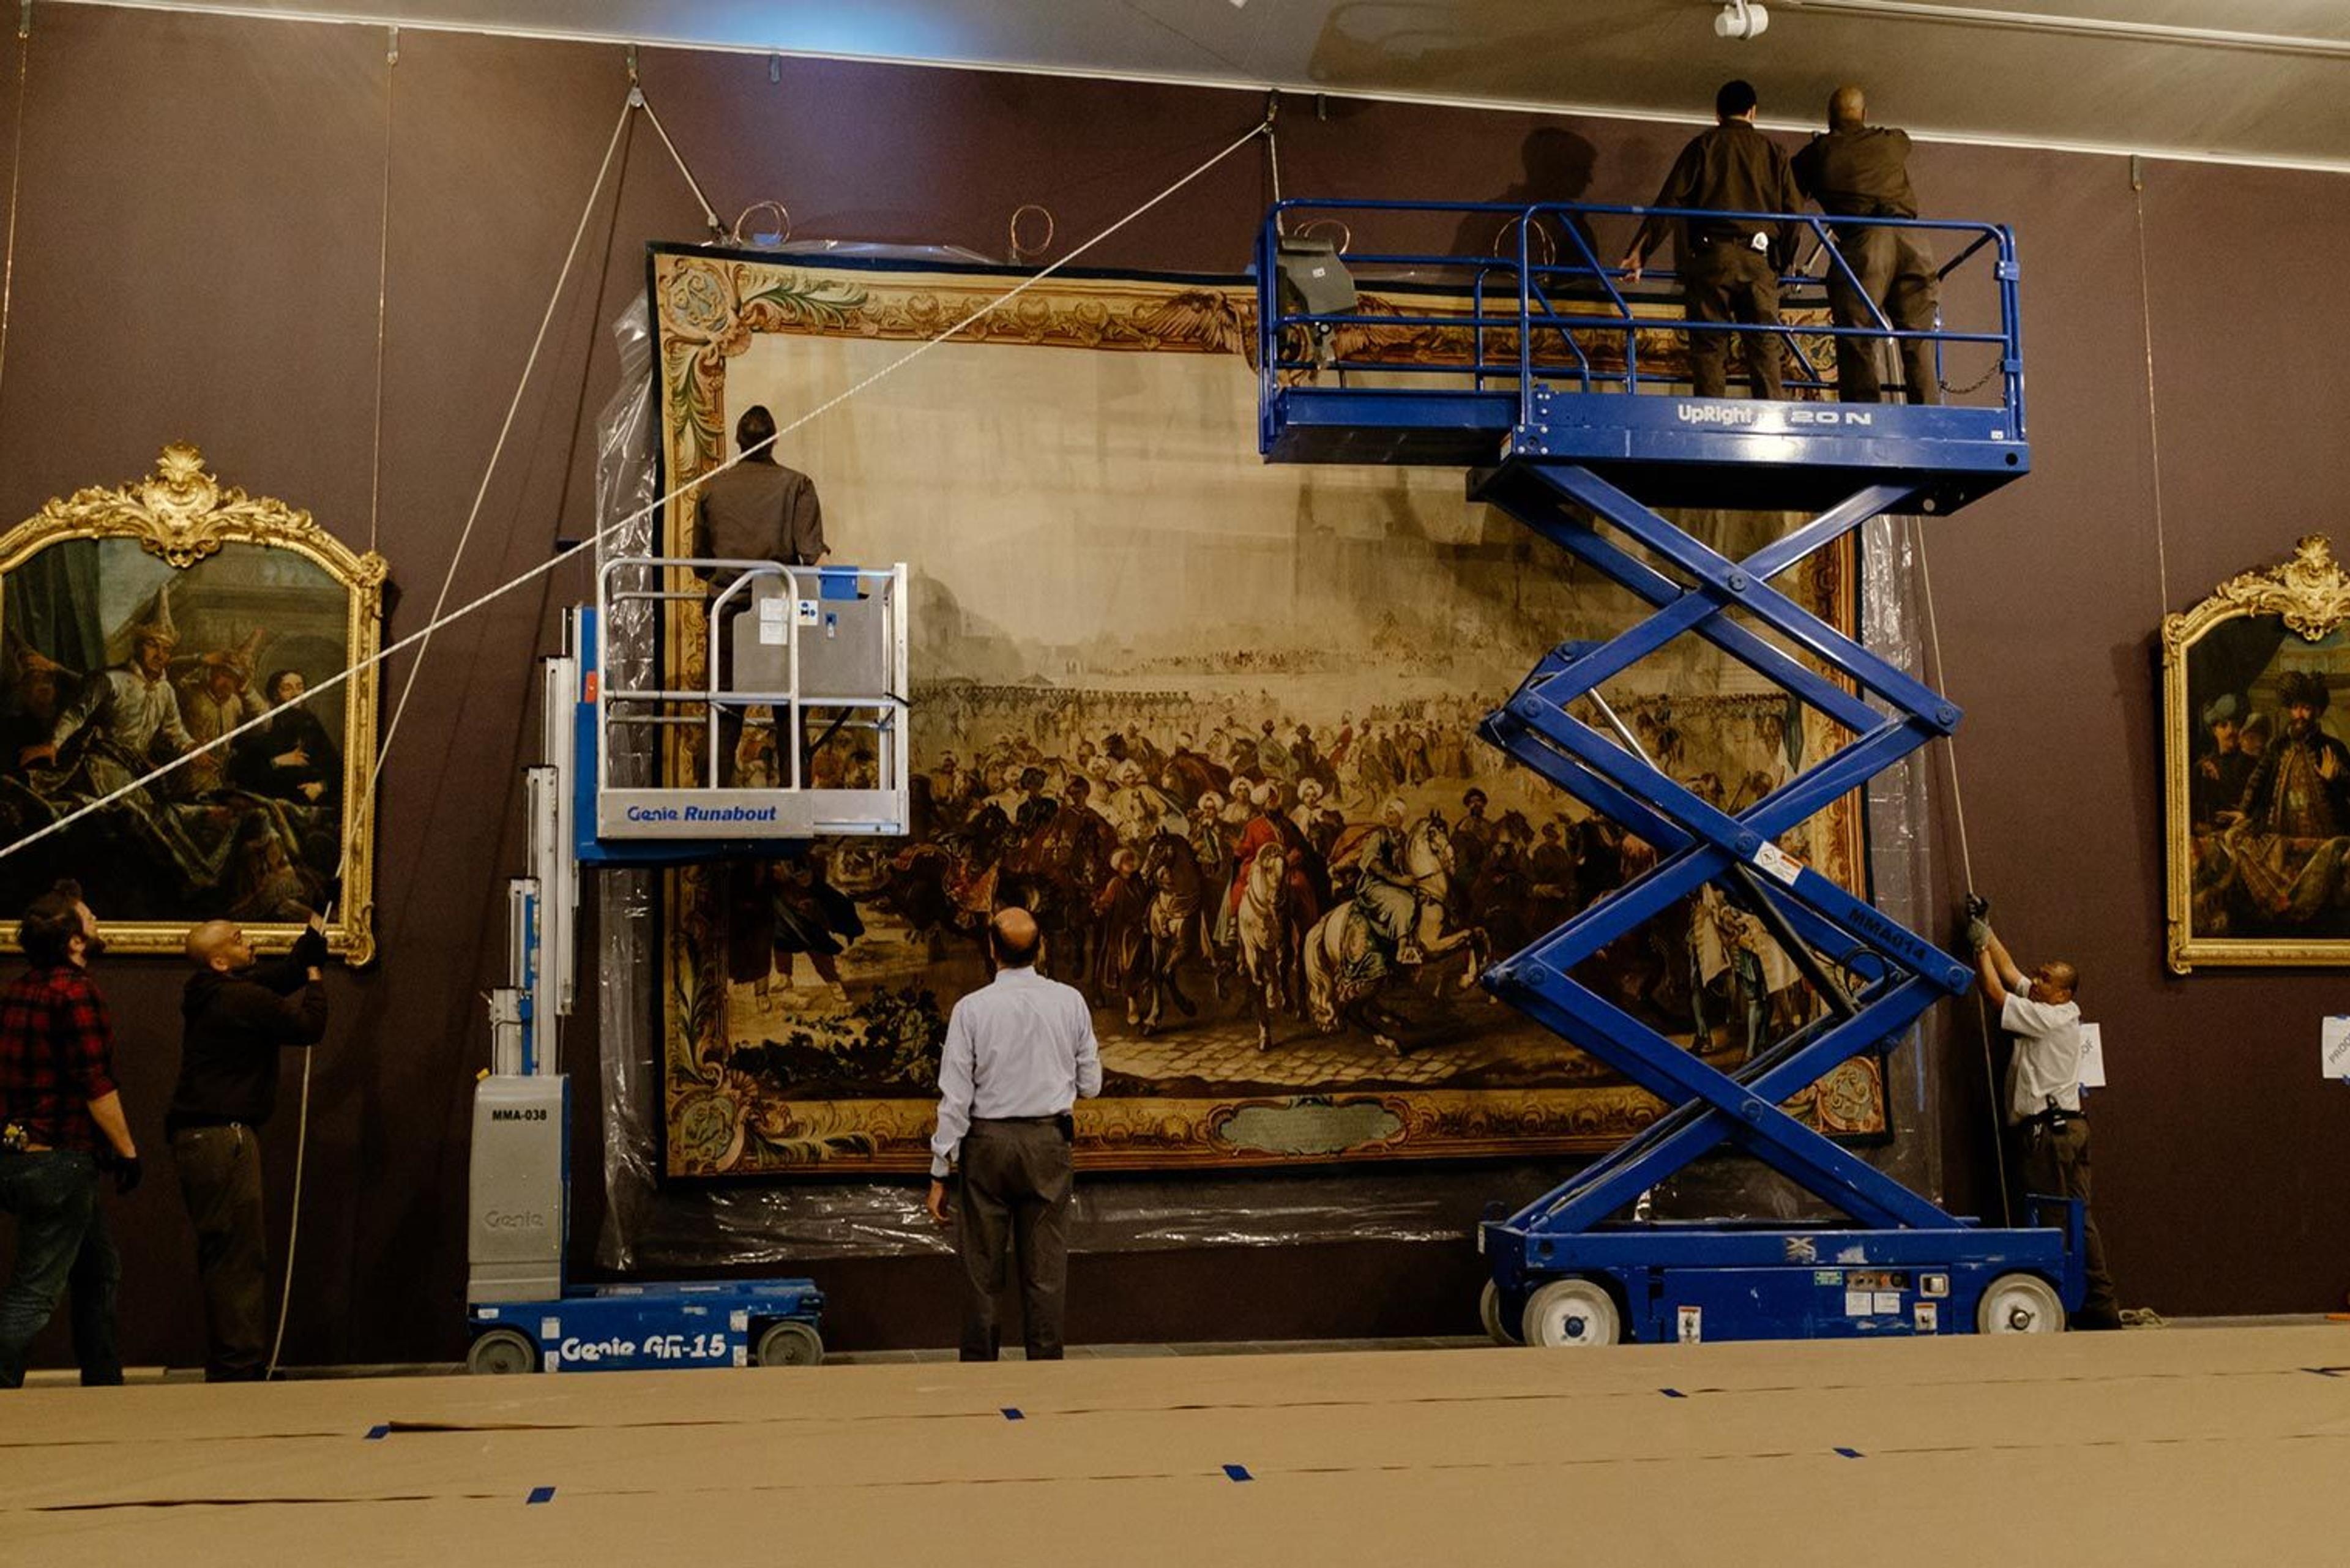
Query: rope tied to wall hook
x=444, y=617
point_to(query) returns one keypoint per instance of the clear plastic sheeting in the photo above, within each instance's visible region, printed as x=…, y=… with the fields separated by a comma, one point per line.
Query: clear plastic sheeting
x=1901, y=884
x=653, y=1224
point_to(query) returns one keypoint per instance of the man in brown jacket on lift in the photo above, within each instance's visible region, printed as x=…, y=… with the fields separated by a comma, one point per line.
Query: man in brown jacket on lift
x=1860, y=170
x=1730, y=266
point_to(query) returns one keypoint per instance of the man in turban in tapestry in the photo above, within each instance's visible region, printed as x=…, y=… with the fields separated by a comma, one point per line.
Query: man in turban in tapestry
x=1387, y=894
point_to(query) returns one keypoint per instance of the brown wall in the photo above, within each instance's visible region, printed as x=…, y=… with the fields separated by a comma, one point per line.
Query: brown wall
x=196, y=258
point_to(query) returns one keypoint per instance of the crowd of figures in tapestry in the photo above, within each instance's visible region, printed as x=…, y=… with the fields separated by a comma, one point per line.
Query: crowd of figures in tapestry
x=117, y=662
x=1215, y=723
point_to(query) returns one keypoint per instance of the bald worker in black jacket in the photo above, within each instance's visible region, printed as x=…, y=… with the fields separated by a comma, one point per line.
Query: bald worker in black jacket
x=1855, y=170
x=1730, y=266
x=237, y=1014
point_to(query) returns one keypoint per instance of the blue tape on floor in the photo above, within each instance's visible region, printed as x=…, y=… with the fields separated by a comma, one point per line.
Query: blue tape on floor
x=1672, y=1393
x=1849, y=1453
x=1238, y=1472
x=377, y=1434
x=1011, y=1413
x=542, y=1494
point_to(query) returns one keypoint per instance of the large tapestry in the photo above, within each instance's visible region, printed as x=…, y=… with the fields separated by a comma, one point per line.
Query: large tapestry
x=1214, y=722
x=141, y=623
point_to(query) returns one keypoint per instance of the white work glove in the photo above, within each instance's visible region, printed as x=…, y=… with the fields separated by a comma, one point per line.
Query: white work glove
x=1979, y=933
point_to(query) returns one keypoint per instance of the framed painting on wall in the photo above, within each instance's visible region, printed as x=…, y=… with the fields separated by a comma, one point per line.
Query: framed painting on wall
x=140, y=623
x=2256, y=773
x=1142, y=656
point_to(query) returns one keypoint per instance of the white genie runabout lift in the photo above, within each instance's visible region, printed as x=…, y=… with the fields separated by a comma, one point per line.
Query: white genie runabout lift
x=814, y=646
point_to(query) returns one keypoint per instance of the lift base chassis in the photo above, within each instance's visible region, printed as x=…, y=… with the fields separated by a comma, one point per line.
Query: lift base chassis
x=1722, y=1281
x=655, y=1327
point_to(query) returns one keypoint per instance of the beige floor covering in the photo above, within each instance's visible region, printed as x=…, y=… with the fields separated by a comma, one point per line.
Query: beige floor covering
x=2219, y=1446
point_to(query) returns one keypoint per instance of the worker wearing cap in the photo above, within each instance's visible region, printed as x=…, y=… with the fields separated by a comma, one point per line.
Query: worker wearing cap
x=1854, y=169
x=1730, y=266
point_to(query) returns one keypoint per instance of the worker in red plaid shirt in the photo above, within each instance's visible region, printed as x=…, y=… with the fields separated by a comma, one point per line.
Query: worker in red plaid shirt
x=60, y=1121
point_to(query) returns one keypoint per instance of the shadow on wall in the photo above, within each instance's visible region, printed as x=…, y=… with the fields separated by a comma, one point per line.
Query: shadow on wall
x=1557, y=167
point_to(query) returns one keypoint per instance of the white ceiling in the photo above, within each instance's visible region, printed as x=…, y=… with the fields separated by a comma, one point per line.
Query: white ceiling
x=1994, y=70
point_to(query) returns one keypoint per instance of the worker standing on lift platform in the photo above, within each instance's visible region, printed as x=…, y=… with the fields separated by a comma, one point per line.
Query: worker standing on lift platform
x=1730, y=266
x=1854, y=169
x=758, y=510
x=2048, y=1137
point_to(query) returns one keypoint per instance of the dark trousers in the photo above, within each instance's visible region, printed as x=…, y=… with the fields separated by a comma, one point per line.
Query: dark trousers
x=1896, y=272
x=61, y=1246
x=1016, y=1182
x=220, y=1177
x=2056, y=1165
x=1726, y=282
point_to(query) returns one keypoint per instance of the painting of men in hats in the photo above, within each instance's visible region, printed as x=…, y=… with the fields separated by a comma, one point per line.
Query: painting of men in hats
x=2270, y=799
x=116, y=664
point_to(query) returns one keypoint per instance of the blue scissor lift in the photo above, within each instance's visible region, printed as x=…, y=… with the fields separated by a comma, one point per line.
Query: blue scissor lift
x=1548, y=404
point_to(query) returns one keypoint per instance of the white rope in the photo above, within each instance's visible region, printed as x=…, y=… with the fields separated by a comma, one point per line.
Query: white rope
x=375, y=499
x=1967, y=869
x=637, y=99
x=2153, y=423
x=16, y=170
x=650, y=508
x=514, y=407
x=293, y=1213
x=382, y=289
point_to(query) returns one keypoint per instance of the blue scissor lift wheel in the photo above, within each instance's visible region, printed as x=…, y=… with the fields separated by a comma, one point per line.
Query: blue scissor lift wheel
x=1563, y=427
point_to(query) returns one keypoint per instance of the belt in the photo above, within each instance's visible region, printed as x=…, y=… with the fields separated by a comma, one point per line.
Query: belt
x=1043, y=1121
x=2050, y=1119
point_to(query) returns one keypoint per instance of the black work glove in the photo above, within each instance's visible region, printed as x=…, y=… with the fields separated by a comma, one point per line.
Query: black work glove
x=1978, y=907
x=310, y=948
x=127, y=1172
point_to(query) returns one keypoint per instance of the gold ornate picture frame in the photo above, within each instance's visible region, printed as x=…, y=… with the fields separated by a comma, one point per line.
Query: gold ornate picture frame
x=2256, y=775
x=137, y=623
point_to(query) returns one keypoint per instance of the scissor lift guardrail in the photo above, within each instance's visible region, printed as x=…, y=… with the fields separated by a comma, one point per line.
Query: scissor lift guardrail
x=1569, y=442
x=813, y=601
x=1544, y=358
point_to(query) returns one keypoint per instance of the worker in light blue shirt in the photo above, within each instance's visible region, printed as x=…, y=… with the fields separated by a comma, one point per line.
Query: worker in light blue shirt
x=1019, y=1055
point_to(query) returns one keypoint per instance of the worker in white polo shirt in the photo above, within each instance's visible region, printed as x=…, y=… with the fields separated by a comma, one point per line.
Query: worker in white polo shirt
x=1019, y=1055
x=2048, y=1137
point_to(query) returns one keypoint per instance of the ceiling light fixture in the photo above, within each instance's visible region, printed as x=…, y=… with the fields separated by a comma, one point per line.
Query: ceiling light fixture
x=2079, y=27
x=1740, y=19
